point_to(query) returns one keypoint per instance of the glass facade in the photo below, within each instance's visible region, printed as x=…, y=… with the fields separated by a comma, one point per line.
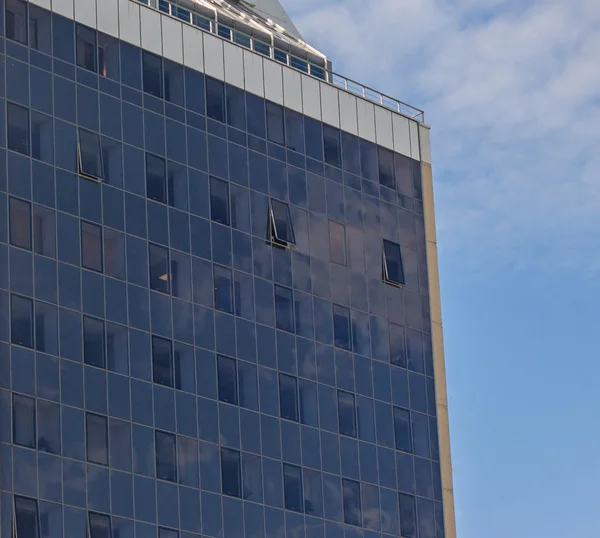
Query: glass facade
x=214, y=311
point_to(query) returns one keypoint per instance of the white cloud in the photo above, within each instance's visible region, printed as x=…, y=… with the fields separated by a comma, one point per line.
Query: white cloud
x=512, y=91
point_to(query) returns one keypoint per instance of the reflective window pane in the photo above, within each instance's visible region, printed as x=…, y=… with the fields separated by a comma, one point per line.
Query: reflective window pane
x=90, y=155
x=352, y=504
x=91, y=246
x=397, y=345
x=284, y=309
x=86, y=48
x=166, y=457
x=288, y=397
x=292, y=486
x=386, y=168
x=156, y=184
x=402, y=429
x=159, y=268
x=215, y=99
x=152, y=74
x=227, y=380
x=21, y=330
x=26, y=518
x=42, y=137
x=114, y=253
x=99, y=526
x=219, y=201
x=23, y=421
x=223, y=289
x=162, y=361
x=346, y=413
x=18, y=128
x=174, y=84
x=20, y=223
x=44, y=231
x=408, y=516
x=96, y=439
x=337, y=242
x=281, y=222
x=331, y=146
x=275, y=123
x=393, y=269
x=93, y=342
x=16, y=21
x=341, y=326
x=231, y=476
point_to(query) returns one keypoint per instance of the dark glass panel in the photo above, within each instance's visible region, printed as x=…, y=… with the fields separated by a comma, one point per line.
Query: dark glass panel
x=86, y=48
x=162, y=361
x=96, y=439
x=227, y=380
x=152, y=74
x=288, y=397
x=393, y=269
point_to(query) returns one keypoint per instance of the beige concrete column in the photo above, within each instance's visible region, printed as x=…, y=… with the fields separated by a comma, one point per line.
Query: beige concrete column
x=437, y=341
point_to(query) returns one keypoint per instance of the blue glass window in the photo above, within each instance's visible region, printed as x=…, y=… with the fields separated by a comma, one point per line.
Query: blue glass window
x=21, y=329
x=408, y=516
x=44, y=231
x=397, y=345
x=337, y=242
x=166, y=533
x=162, y=361
x=159, y=268
x=402, y=429
x=288, y=397
x=166, y=457
x=93, y=342
x=152, y=74
x=114, y=253
x=227, y=380
x=223, y=289
x=248, y=387
x=174, y=83
x=313, y=493
x=352, y=504
x=275, y=124
x=284, y=309
x=96, y=439
x=282, y=229
x=292, y=486
x=40, y=29
x=42, y=137
x=386, y=168
x=26, y=518
x=100, y=526
x=215, y=99
x=294, y=131
x=17, y=122
x=91, y=246
x=231, y=475
x=331, y=146
x=117, y=348
x=156, y=183
x=313, y=138
x=255, y=110
x=393, y=270
x=90, y=155
x=20, y=223
x=23, y=421
x=219, y=201
x=48, y=415
x=16, y=21
x=236, y=107
x=346, y=413
x=108, y=57
x=86, y=48
x=341, y=327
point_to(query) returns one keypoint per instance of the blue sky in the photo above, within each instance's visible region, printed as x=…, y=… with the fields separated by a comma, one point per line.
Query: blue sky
x=512, y=92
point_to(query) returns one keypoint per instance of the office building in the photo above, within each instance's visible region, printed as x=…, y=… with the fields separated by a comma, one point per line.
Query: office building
x=219, y=305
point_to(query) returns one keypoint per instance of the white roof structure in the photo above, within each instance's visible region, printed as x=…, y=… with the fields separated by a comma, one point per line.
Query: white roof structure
x=272, y=9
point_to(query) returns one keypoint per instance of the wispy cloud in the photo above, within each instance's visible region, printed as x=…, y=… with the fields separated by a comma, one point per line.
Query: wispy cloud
x=512, y=91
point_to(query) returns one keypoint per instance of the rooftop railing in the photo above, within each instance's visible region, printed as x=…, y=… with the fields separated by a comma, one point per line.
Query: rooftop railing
x=305, y=65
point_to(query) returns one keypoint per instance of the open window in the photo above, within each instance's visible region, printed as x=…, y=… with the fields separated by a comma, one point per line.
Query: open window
x=26, y=522
x=393, y=271
x=281, y=230
x=90, y=155
x=99, y=526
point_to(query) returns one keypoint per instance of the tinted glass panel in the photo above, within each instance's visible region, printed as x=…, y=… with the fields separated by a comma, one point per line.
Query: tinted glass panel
x=16, y=20
x=223, y=289
x=294, y=131
x=40, y=29
x=152, y=71
x=288, y=397
x=347, y=413
x=275, y=124
x=219, y=201
x=341, y=326
x=97, y=439
x=23, y=421
x=331, y=146
x=20, y=223
x=18, y=128
x=174, y=84
x=159, y=268
x=90, y=155
x=393, y=269
x=26, y=518
x=86, y=48
x=337, y=242
x=44, y=232
x=352, y=504
x=21, y=329
x=156, y=184
x=408, y=516
x=386, y=168
x=215, y=99
x=402, y=429
x=166, y=463
x=231, y=475
x=397, y=345
x=292, y=485
x=99, y=526
x=283, y=230
x=284, y=309
x=93, y=342
x=227, y=380
x=162, y=361
x=91, y=246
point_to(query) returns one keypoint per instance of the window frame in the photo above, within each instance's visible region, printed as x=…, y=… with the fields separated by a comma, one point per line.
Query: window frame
x=348, y=484
x=10, y=145
x=104, y=420
x=297, y=475
x=354, y=433
x=30, y=410
x=31, y=342
x=155, y=375
x=214, y=182
x=337, y=340
x=235, y=457
x=147, y=58
x=275, y=237
x=295, y=416
x=97, y=229
x=81, y=39
x=34, y=502
x=409, y=446
x=105, y=517
x=100, y=158
x=153, y=249
x=24, y=6
x=173, y=455
x=223, y=360
x=287, y=294
x=101, y=323
x=20, y=205
x=386, y=269
x=150, y=194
